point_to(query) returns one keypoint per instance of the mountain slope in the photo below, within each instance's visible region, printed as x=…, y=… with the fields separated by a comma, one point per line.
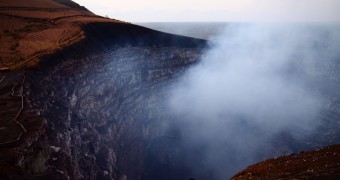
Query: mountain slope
x=77, y=101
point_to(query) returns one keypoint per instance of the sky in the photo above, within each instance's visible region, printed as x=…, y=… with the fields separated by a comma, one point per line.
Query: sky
x=217, y=10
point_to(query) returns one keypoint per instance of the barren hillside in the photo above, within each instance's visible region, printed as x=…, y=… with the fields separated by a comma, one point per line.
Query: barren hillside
x=30, y=29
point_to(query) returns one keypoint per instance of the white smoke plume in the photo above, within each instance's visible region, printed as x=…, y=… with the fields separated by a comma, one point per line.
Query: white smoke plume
x=254, y=83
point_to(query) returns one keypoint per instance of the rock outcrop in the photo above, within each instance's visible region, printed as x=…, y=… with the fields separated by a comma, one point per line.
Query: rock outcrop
x=104, y=111
x=318, y=164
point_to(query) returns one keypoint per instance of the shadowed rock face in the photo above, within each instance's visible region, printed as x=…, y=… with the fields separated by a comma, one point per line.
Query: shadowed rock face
x=103, y=108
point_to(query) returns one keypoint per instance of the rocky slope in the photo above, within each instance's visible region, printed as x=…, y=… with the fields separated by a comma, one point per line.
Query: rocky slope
x=318, y=164
x=104, y=110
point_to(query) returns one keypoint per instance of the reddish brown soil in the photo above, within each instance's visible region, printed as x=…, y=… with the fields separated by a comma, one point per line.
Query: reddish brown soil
x=318, y=164
x=31, y=3
x=30, y=29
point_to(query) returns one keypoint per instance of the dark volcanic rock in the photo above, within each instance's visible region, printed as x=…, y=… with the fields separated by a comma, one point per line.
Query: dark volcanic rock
x=23, y=147
x=102, y=101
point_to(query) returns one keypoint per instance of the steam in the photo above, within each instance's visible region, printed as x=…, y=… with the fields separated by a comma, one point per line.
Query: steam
x=253, y=84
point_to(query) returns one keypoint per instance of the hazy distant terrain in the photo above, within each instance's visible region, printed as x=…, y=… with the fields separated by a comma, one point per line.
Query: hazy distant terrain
x=201, y=30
